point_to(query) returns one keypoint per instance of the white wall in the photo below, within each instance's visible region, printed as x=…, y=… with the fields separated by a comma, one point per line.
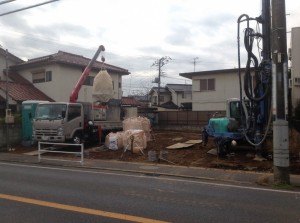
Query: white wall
x=64, y=79
x=295, y=64
x=226, y=86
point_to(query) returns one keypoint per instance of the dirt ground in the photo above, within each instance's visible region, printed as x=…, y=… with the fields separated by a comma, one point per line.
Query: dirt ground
x=197, y=155
x=193, y=156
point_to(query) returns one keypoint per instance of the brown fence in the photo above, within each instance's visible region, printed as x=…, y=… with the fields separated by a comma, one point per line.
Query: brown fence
x=186, y=118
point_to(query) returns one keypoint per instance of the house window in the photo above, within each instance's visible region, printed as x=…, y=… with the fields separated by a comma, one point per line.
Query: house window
x=41, y=76
x=89, y=81
x=48, y=76
x=161, y=98
x=297, y=80
x=207, y=84
x=154, y=100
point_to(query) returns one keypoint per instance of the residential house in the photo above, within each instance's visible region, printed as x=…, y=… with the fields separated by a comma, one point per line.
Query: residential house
x=211, y=89
x=14, y=88
x=164, y=96
x=129, y=107
x=7, y=59
x=172, y=97
x=181, y=95
x=57, y=74
x=294, y=54
x=143, y=99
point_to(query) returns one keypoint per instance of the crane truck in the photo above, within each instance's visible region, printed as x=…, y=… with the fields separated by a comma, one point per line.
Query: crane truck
x=74, y=121
x=248, y=117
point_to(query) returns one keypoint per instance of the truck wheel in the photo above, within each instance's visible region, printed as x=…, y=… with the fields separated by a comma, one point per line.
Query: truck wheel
x=76, y=139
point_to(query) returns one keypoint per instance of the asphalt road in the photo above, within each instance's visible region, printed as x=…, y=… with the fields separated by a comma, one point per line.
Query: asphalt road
x=31, y=193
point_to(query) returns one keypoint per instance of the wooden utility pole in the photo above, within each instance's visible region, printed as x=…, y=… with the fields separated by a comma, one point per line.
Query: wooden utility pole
x=280, y=105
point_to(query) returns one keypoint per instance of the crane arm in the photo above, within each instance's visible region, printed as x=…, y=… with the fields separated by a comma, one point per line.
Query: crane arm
x=86, y=72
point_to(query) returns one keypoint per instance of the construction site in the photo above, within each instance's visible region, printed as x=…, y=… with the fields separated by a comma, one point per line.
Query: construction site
x=177, y=148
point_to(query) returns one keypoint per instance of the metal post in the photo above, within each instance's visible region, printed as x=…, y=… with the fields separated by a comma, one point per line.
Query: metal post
x=196, y=58
x=7, y=99
x=280, y=108
x=39, y=151
x=81, y=146
x=159, y=73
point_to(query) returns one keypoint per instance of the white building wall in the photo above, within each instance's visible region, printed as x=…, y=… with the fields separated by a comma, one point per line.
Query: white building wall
x=64, y=79
x=226, y=86
x=295, y=65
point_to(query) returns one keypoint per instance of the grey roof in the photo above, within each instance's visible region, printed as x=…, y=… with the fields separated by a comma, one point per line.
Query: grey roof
x=11, y=56
x=69, y=59
x=224, y=71
x=180, y=87
x=162, y=89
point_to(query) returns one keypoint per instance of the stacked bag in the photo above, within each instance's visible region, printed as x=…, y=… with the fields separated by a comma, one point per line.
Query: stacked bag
x=135, y=135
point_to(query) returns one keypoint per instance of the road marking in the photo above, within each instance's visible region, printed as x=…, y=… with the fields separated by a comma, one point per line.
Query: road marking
x=80, y=209
x=196, y=181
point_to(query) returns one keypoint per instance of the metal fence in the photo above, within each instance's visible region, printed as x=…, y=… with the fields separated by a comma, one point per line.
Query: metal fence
x=186, y=118
x=50, y=150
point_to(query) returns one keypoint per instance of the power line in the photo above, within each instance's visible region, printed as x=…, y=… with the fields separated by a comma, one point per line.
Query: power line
x=29, y=7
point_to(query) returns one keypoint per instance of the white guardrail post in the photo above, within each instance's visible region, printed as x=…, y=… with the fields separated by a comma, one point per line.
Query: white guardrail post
x=40, y=151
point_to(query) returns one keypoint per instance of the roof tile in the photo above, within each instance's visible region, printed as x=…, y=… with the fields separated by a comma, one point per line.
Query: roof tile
x=71, y=59
x=23, y=92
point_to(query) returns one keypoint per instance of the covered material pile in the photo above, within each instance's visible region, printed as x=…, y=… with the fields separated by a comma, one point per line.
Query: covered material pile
x=135, y=135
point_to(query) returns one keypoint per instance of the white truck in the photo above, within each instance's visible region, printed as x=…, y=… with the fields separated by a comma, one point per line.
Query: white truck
x=74, y=121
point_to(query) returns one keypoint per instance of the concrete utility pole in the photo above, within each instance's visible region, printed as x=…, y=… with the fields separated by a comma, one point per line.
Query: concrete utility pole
x=280, y=105
x=7, y=98
x=160, y=62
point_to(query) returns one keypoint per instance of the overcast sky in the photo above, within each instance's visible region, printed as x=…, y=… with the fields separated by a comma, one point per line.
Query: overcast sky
x=135, y=33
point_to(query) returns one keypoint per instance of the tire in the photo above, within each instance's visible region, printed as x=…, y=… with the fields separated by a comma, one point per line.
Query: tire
x=77, y=139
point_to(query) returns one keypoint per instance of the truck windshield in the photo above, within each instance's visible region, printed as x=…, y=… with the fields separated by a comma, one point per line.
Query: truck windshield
x=51, y=111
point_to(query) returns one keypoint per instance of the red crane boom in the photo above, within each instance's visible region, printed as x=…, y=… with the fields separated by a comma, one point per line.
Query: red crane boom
x=86, y=72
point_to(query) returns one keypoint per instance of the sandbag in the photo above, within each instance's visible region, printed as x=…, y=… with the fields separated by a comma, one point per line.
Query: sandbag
x=103, y=87
x=138, y=123
x=139, y=139
x=114, y=141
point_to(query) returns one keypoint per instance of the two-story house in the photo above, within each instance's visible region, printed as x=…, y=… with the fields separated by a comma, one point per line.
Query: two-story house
x=211, y=89
x=57, y=74
x=7, y=59
x=14, y=89
x=172, y=97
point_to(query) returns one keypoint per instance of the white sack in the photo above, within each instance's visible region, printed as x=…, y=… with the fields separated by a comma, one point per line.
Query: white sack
x=103, y=87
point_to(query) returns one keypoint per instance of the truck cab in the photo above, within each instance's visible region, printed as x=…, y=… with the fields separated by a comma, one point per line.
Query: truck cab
x=58, y=122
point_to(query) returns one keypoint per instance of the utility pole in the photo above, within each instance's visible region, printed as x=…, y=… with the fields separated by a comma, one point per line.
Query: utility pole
x=160, y=62
x=280, y=105
x=196, y=58
x=7, y=99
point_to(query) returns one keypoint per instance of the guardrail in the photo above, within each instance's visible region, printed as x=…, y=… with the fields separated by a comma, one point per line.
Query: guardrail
x=40, y=150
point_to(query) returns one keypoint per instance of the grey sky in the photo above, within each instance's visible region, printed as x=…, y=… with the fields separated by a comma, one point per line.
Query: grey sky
x=135, y=33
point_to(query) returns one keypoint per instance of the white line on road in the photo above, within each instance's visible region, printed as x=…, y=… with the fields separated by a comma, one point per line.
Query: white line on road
x=156, y=178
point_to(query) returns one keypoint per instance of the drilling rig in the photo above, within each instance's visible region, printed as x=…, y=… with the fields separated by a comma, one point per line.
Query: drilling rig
x=248, y=117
